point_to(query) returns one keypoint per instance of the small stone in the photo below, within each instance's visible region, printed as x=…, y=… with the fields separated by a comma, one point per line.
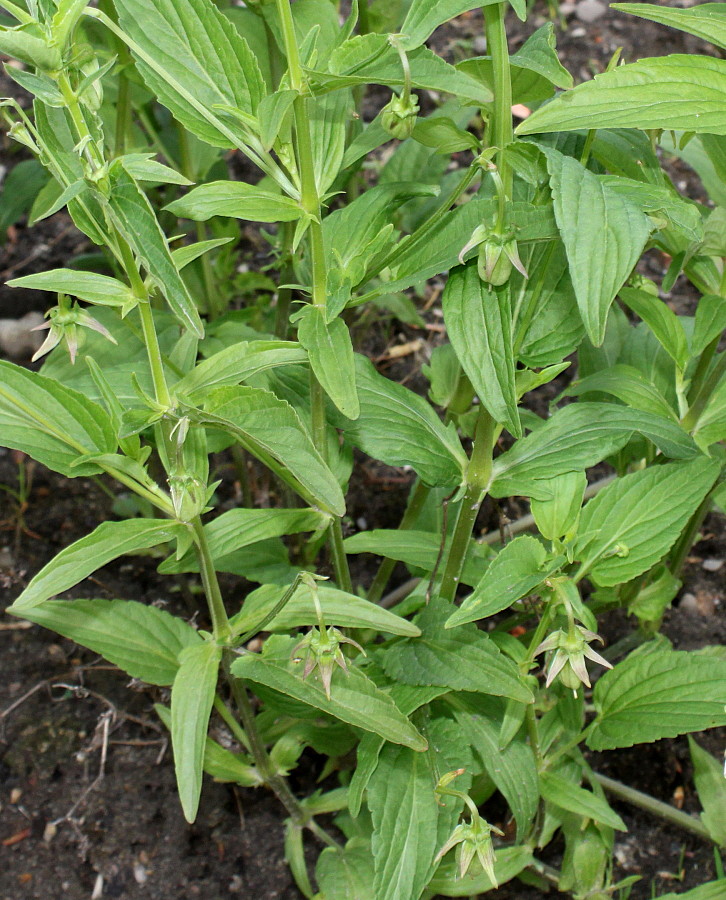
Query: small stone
x=140, y=874
x=362, y=523
x=590, y=11
x=480, y=44
x=698, y=604
x=567, y=9
x=6, y=558
x=712, y=565
x=17, y=337
x=49, y=832
x=15, y=795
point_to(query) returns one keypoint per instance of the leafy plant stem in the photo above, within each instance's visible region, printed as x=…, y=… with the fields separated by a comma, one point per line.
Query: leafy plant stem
x=688, y=538
x=230, y=721
x=702, y=367
x=502, y=132
x=651, y=805
x=123, y=114
x=477, y=481
x=284, y=294
x=220, y=623
x=299, y=815
x=415, y=504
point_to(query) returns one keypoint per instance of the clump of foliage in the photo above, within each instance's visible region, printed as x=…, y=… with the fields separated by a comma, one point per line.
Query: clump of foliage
x=175, y=355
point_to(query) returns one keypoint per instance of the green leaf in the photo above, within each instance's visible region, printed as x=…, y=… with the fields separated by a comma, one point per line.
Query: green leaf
x=711, y=786
x=713, y=890
x=136, y=220
x=603, y=233
x=371, y=58
x=86, y=285
x=239, y=362
x=536, y=69
x=444, y=135
x=634, y=521
x=710, y=322
x=418, y=549
x=354, y=698
x=271, y=430
x=420, y=440
x=142, y=640
x=236, y=200
x=678, y=92
x=403, y=807
x=331, y=357
x=239, y=528
x=479, y=325
x=575, y=799
x=339, y=608
x=664, y=693
x=579, y=436
x=463, y=659
x=661, y=320
x=329, y=117
x=50, y=422
x=661, y=202
x=557, y=516
x=514, y=772
x=515, y=572
x=141, y=167
x=76, y=562
x=424, y=17
x=628, y=385
x=187, y=253
x=706, y=21
x=221, y=764
x=508, y=863
x=192, y=696
x=345, y=874
x=192, y=57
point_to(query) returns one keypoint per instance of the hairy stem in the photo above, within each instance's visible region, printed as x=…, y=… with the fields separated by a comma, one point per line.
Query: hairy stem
x=656, y=807
x=220, y=623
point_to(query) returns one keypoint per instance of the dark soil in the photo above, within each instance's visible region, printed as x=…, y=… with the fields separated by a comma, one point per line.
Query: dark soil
x=87, y=798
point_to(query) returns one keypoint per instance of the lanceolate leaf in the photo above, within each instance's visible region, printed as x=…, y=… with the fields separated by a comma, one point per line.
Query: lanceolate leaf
x=135, y=218
x=649, y=696
x=354, y=697
x=515, y=572
x=239, y=362
x=424, y=17
x=271, y=430
x=339, y=608
x=192, y=695
x=142, y=640
x=479, y=325
x=634, y=521
x=575, y=799
x=331, y=357
x=419, y=438
x=237, y=200
x=629, y=385
x=711, y=787
x=706, y=21
x=86, y=285
x=662, y=321
x=678, y=92
x=51, y=423
x=603, y=233
x=508, y=863
x=579, y=436
x=403, y=807
x=463, y=658
x=514, y=771
x=239, y=528
x=193, y=58
x=109, y=541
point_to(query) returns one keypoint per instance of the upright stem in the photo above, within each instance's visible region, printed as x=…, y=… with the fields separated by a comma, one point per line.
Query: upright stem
x=310, y=201
x=477, y=480
x=364, y=24
x=299, y=815
x=502, y=132
x=220, y=623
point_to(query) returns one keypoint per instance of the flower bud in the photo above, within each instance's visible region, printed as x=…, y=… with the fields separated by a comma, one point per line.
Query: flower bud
x=399, y=116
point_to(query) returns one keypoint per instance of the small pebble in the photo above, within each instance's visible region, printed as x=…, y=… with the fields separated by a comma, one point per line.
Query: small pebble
x=140, y=876
x=712, y=565
x=15, y=795
x=567, y=9
x=49, y=832
x=578, y=33
x=700, y=604
x=589, y=11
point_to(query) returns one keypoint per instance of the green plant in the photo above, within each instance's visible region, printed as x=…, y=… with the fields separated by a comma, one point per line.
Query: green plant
x=540, y=232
